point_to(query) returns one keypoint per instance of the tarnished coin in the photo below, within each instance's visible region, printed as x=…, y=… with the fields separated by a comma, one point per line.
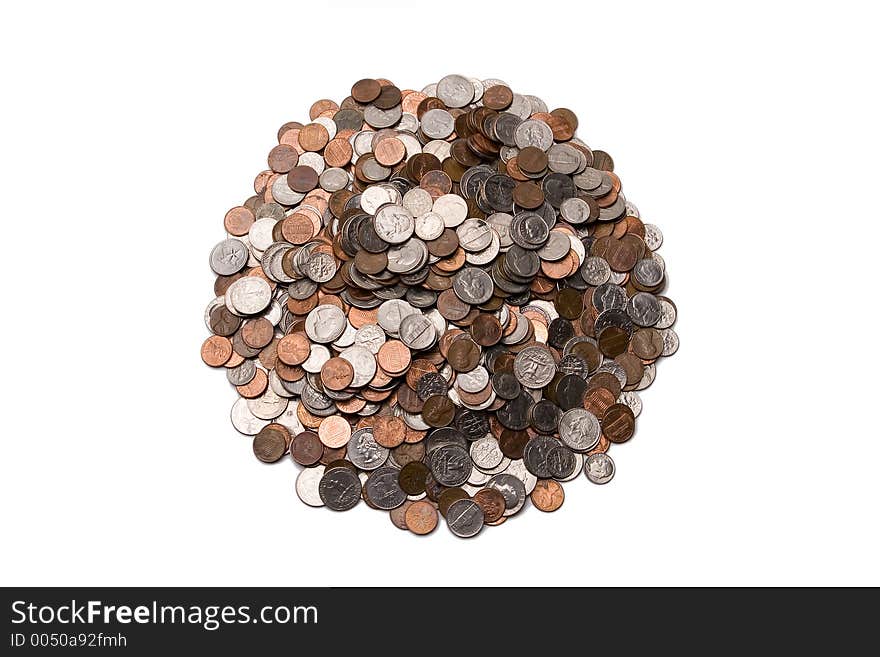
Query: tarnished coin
x=340, y=489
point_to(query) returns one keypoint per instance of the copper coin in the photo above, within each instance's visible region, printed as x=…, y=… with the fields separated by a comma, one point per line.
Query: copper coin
x=498, y=97
x=528, y=195
x=337, y=374
x=313, y=137
x=421, y=517
x=438, y=411
x=486, y=330
x=409, y=400
x=598, y=400
x=366, y=91
x=334, y=431
x=398, y=515
x=257, y=333
x=302, y=179
x=270, y=443
x=393, y=357
x=412, y=477
x=548, y=495
x=532, y=160
x=513, y=443
x=618, y=423
x=419, y=368
x=491, y=501
x=389, y=152
x=613, y=341
x=569, y=303
x=283, y=158
x=389, y=431
x=306, y=448
x=293, y=349
x=464, y=355
x=633, y=367
x=448, y=496
x=256, y=387
x=647, y=343
x=606, y=380
x=238, y=220
x=216, y=350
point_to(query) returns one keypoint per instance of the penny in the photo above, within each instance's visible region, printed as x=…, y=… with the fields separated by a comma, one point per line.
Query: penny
x=548, y=495
x=421, y=517
x=270, y=443
x=334, y=431
x=618, y=423
x=389, y=431
x=216, y=350
x=306, y=448
x=441, y=292
x=491, y=502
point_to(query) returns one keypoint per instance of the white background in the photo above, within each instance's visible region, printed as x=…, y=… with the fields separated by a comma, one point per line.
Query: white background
x=747, y=133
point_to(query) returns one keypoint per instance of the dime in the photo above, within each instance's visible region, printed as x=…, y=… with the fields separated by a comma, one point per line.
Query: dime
x=599, y=468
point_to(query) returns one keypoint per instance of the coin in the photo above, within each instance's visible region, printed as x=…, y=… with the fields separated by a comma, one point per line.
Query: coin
x=441, y=292
x=548, y=495
x=421, y=517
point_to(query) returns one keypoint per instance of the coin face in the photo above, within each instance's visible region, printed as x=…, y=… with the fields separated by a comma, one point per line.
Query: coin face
x=440, y=301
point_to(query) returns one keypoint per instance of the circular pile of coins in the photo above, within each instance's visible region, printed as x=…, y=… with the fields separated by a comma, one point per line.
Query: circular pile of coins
x=438, y=302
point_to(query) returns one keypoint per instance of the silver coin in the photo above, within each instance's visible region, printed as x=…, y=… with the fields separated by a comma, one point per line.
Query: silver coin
x=465, y=518
x=437, y=124
x=340, y=489
x=391, y=314
x=474, y=235
x=318, y=355
x=283, y=194
x=243, y=373
x=667, y=314
x=578, y=467
x=518, y=469
x=648, y=272
x=474, y=381
x=556, y=248
x=670, y=342
x=648, y=376
x=375, y=196
x=473, y=286
x=599, y=468
x=346, y=339
x=575, y=211
x=325, y=323
x=595, y=271
x=417, y=200
x=260, y=233
x=379, y=118
x=321, y=267
x=363, y=362
x=500, y=223
x=407, y=257
x=534, y=133
x=228, y=257
x=488, y=254
x=307, y=482
x=438, y=148
x=383, y=490
x=249, y=295
x=429, y=226
x=417, y=332
x=334, y=179
x=643, y=309
x=364, y=451
x=486, y=452
x=455, y=91
x=394, y=224
x=452, y=207
x=267, y=406
x=371, y=337
x=512, y=489
x=653, y=237
x=563, y=158
x=534, y=367
x=631, y=398
x=450, y=465
x=579, y=429
x=243, y=420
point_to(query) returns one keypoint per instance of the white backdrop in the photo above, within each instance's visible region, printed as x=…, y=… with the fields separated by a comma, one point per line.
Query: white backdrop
x=747, y=133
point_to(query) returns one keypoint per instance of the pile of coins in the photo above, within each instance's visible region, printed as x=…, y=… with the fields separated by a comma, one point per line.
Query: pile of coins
x=438, y=302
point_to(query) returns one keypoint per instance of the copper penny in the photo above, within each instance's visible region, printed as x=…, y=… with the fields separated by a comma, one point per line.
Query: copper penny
x=618, y=423
x=238, y=220
x=393, y=357
x=313, y=137
x=389, y=152
x=257, y=333
x=302, y=179
x=306, y=448
x=334, y=431
x=598, y=400
x=256, y=387
x=449, y=495
x=271, y=442
x=548, y=495
x=389, y=431
x=421, y=517
x=366, y=91
x=613, y=341
x=216, y=350
x=412, y=477
x=498, y=97
x=438, y=411
x=491, y=501
x=293, y=349
x=283, y=158
x=337, y=374
x=486, y=330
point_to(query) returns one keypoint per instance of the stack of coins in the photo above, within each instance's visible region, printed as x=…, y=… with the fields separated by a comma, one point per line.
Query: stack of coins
x=438, y=302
